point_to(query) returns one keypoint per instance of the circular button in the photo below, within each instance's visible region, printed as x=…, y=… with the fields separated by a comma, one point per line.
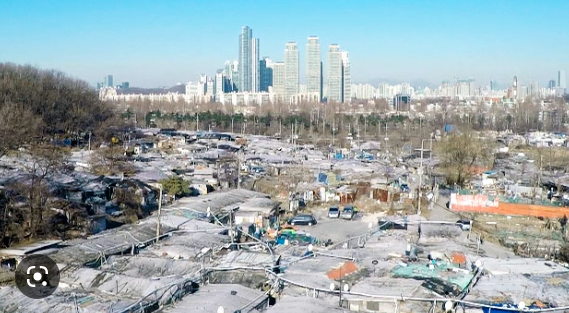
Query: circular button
x=37, y=276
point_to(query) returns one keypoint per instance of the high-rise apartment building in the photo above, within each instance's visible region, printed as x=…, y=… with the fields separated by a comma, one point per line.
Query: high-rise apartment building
x=346, y=78
x=255, y=71
x=279, y=80
x=291, y=70
x=339, y=76
x=313, y=67
x=108, y=81
x=235, y=76
x=266, y=74
x=219, y=85
x=248, y=61
x=551, y=84
x=534, y=89
x=561, y=80
x=334, y=74
x=245, y=59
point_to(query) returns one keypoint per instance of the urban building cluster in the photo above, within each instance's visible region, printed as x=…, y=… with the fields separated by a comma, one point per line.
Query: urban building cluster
x=251, y=79
x=254, y=80
x=462, y=89
x=108, y=83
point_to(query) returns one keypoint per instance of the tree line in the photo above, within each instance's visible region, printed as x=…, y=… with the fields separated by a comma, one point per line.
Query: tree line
x=37, y=106
x=41, y=111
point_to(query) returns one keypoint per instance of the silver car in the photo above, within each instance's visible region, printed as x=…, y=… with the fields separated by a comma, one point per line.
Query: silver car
x=334, y=212
x=348, y=213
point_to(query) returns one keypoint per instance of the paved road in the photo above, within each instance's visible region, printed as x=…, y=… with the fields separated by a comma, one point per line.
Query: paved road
x=439, y=212
x=335, y=229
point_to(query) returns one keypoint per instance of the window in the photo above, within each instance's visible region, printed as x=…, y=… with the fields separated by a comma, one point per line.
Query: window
x=372, y=305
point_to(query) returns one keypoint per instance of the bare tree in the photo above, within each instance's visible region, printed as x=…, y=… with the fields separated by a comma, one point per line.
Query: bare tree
x=461, y=152
x=111, y=160
x=45, y=161
x=18, y=127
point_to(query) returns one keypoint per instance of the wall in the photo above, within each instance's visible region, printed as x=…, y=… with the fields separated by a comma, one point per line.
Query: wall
x=482, y=204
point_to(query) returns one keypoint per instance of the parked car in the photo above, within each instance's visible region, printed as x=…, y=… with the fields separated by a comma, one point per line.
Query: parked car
x=349, y=212
x=303, y=219
x=464, y=224
x=334, y=212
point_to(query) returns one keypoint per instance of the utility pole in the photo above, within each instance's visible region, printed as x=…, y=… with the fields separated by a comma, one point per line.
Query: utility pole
x=238, y=171
x=333, y=130
x=365, y=127
x=197, y=122
x=420, y=178
x=231, y=232
x=159, y=211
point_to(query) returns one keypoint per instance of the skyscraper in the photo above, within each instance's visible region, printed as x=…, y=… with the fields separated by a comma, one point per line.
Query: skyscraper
x=313, y=67
x=235, y=76
x=228, y=74
x=534, y=89
x=551, y=84
x=245, y=59
x=561, y=80
x=255, y=73
x=291, y=70
x=219, y=85
x=334, y=74
x=279, y=80
x=266, y=74
x=346, y=78
x=108, y=81
x=248, y=61
x=339, y=76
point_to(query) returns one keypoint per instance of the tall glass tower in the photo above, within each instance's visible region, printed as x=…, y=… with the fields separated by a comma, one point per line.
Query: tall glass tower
x=291, y=70
x=334, y=74
x=346, y=78
x=245, y=59
x=313, y=67
x=265, y=74
x=255, y=71
x=279, y=80
x=561, y=79
x=249, y=79
x=339, y=75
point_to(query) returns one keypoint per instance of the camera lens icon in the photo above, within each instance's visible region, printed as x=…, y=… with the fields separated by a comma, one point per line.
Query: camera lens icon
x=37, y=276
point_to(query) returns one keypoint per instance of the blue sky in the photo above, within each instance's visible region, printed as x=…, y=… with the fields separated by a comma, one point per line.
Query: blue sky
x=152, y=43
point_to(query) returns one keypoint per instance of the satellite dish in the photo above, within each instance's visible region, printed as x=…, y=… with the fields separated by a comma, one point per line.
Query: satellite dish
x=346, y=287
x=220, y=310
x=332, y=287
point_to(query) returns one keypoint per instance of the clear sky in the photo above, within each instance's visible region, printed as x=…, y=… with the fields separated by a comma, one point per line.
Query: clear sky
x=162, y=42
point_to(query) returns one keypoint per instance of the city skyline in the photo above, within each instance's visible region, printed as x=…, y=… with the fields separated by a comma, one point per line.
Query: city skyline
x=143, y=44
